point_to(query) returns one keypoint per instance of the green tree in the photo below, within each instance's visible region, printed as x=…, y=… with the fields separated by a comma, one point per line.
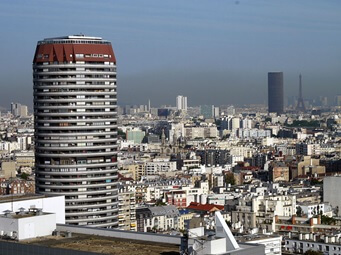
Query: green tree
x=24, y=176
x=299, y=211
x=229, y=179
x=312, y=252
x=160, y=203
x=121, y=134
x=327, y=220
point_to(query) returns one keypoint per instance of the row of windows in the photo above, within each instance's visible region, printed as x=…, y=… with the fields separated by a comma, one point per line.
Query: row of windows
x=73, y=41
x=75, y=62
x=88, y=76
x=74, y=144
x=45, y=83
x=91, y=110
x=102, y=102
x=52, y=69
x=312, y=245
x=80, y=55
x=80, y=137
x=81, y=160
x=101, y=131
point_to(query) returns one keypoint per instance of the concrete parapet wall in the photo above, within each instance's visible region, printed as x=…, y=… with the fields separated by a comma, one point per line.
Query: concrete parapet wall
x=137, y=236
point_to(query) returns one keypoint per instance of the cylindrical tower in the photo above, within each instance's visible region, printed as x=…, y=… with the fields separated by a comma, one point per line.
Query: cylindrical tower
x=75, y=120
x=275, y=92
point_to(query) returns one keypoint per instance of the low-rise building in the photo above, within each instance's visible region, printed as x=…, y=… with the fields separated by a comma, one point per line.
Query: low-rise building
x=157, y=218
x=27, y=224
x=127, y=211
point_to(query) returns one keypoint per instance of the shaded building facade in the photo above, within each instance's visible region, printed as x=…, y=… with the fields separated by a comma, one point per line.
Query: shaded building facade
x=275, y=93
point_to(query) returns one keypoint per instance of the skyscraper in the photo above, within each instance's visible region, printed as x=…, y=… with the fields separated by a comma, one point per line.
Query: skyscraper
x=275, y=92
x=207, y=111
x=181, y=103
x=75, y=117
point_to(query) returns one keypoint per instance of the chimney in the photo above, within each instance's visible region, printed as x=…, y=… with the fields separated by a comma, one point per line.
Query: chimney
x=276, y=218
x=311, y=222
x=293, y=220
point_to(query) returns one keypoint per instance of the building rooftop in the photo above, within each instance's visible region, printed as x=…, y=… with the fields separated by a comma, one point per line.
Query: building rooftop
x=106, y=245
x=74, y=39
x=79, y=37
x=255, y=237
x=204, y=207
x=13, y=198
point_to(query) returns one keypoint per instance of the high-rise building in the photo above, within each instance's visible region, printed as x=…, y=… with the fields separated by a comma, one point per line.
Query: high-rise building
x=338, y=100
x=75, y=119
x=275, y=92
x=207, y=111
x=181, y=103
x=19, y=110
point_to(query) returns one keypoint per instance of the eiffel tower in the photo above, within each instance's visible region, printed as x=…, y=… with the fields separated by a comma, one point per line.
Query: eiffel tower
x=300, y=103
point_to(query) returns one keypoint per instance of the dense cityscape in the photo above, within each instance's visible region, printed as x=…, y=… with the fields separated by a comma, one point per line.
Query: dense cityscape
x=271, y=172
x=83, y=173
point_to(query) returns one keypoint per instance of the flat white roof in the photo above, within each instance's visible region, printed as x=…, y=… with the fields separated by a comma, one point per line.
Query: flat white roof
x=77, y=37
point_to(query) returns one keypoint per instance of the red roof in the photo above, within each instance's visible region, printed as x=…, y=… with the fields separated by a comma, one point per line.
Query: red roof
x=205, y=207
x=123, y=178
x=67, y=52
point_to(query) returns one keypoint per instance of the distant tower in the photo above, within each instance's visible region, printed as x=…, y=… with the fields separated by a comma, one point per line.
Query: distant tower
x=163, y=137
x=275, y=92
x=181, y=103
x=300, y=103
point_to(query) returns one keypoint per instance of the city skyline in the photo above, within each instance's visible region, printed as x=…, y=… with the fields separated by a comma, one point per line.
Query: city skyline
x=179, y=127
x=200, y=50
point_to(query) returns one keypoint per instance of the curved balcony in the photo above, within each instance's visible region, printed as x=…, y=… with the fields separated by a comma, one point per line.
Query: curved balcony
x=104, y=140
x=55, y=106
x=96, y=71
x=67, y=114
x=72, y=186
x=92, y=199
x=92, y=206
x=112, y=217
x=77, y=193
x=74, y=93
x=88, y=165
x=79, y=179
x=77, y=134
x=74, y=65
x=75, y=100
x=73, y=155
x=88, y=213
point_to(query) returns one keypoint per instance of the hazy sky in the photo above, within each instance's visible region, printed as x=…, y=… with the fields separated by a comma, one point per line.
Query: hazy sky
x=213, y=51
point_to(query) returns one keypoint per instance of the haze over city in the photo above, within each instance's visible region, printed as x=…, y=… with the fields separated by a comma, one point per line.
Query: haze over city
x=212, y=51
x=170, y=127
